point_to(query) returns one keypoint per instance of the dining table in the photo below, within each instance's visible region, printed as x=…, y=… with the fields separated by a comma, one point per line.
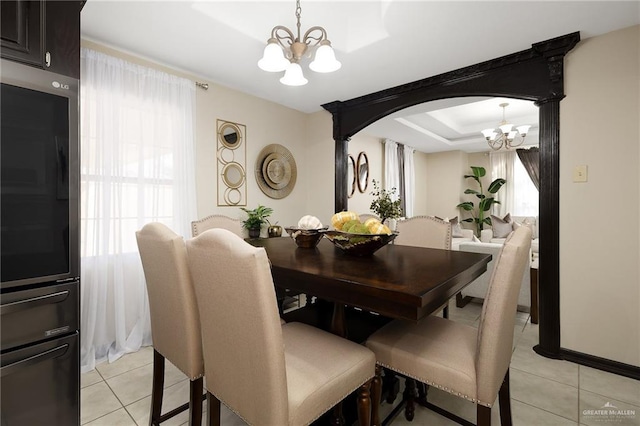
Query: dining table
x=396, y=282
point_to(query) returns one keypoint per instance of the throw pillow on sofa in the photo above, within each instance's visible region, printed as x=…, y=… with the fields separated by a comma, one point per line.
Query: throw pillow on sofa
x=529, y=223
x=456, y=229
x=501, y=227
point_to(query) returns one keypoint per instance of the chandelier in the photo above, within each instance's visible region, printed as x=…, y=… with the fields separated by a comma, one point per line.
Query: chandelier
x=284, y=51
x=505, y=135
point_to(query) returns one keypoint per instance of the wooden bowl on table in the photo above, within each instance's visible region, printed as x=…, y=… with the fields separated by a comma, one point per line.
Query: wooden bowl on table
x=305, y=238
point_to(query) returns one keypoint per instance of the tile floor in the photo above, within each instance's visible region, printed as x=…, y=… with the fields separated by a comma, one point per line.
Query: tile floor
x=543, y=391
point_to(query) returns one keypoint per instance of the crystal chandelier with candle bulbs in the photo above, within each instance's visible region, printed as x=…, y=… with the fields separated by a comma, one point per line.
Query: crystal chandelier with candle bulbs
x=505, y=135
x=284, y=51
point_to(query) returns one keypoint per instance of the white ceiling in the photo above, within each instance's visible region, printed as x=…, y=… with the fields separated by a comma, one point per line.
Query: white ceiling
x=381, y=44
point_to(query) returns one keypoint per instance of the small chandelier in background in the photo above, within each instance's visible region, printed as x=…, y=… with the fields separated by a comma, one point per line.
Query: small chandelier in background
x=284, y=51
x=505, y=135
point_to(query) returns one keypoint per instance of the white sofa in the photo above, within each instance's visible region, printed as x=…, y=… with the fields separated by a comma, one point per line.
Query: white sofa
x=467, y=237
x=486, y=235
x=478, y=288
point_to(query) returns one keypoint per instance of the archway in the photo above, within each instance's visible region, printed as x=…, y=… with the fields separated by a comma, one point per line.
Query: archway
x=534, y=74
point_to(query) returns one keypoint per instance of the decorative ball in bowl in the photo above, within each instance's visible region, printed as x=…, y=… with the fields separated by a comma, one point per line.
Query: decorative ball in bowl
x=305, y=238
x=359, y=244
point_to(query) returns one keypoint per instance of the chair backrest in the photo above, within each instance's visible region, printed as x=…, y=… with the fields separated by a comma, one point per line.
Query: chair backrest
x=175, y=323
x=424, y=231
x=216, y=221
x=495, y=332
x=241, y=331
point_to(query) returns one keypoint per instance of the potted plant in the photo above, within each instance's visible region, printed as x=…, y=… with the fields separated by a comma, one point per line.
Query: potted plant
x=486, y=200
x=255, y=219
x=383, y=205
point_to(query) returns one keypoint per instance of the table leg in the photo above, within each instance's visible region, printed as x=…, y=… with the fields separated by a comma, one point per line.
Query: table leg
x=338, y=321
x=534, y=296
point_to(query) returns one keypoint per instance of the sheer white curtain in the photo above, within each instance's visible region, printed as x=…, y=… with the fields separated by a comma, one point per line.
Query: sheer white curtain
x=501, y=163
x=391, y=166
x=137, y=166
x=409, y=181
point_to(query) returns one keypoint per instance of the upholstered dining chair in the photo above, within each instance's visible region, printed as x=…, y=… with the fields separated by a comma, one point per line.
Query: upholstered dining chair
x=266, y=373
x=175, y=323
x=424, y=231
x=457, y=358
x=428, y=232
x=216, y=221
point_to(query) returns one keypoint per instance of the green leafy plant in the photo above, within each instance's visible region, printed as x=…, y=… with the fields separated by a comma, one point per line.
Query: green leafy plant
x=256, y=217
x=479, y=214
x=383, y=205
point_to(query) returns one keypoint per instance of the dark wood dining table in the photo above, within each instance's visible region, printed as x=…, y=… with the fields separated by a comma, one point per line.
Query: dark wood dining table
x=397, y=281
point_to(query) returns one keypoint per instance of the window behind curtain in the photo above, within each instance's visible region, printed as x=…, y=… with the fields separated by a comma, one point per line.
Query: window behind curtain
x=525, y=195
x=137, y=166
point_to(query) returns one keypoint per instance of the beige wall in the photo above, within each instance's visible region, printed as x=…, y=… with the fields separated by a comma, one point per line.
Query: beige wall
x=599, y=226
x=443, y=183
x=421, y=168
x=266, y=123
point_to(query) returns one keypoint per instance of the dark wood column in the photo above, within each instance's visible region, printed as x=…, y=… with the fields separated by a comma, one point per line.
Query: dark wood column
x=549, y=230
x=342, y=157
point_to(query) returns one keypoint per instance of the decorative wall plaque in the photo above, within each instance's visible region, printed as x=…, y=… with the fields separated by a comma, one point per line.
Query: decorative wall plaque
x=231, y=154
x=276, y=171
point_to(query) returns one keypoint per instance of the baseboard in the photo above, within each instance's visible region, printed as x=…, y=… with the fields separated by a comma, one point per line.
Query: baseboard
x=604, y=364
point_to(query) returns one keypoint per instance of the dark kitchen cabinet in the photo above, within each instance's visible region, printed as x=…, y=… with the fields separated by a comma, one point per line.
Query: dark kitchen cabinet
x=21, y=31
x=45, y=34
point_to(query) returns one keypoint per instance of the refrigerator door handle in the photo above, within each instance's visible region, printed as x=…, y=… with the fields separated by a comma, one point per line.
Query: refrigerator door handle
x=34, y=359
x=32, y=302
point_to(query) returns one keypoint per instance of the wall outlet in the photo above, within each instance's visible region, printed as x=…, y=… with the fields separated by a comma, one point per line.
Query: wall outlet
x=580, y=173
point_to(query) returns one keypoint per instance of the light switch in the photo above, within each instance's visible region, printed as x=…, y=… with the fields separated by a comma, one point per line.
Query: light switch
x=580, y=173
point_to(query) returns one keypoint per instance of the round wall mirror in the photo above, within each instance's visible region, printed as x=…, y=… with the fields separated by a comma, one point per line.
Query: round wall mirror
x=230, y=135
x=351, y=175
x=362, y=172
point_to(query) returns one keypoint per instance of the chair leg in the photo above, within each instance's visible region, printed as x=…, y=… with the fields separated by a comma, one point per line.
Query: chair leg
x=391, y=384
x=376, y=395
x=445, y=312
x=504, y=397
x=423, y=389
x=195, y=402
x=337, y=419
x=157, y=389
x=484, y=415
x=409, y=397
x=364, y=404
x=213, y=410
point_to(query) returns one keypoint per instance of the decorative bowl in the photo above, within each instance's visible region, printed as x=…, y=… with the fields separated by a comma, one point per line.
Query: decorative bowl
x=359, y=244
x=305, y=238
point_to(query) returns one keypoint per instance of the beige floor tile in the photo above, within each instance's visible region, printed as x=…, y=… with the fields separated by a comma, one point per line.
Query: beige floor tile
x=90, y=378
x=612, y=385
x=467, y=315
x=173, y=397
x=526, y=359
x=227, y=418
x=136, y=384
x=526, y=415
x=117, y=418
x=557, y=398
x=459, y=406
x=96, y=401
x=529, y=337
x=597, y=410
x=126, y=363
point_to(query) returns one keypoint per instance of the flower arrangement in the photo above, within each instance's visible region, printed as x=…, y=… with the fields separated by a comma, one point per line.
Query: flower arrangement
x=383, y=204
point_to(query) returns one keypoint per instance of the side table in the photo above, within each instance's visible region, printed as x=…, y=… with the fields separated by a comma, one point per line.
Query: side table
x=534, y=289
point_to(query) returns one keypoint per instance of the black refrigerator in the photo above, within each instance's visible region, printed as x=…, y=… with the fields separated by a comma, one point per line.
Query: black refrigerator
x=40, y=267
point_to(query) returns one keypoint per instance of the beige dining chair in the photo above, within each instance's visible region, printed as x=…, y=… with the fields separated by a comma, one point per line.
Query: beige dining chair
x=457, y=358
x=216, y=221
x=175, y=323
x=424, y=231
x=266, y=373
